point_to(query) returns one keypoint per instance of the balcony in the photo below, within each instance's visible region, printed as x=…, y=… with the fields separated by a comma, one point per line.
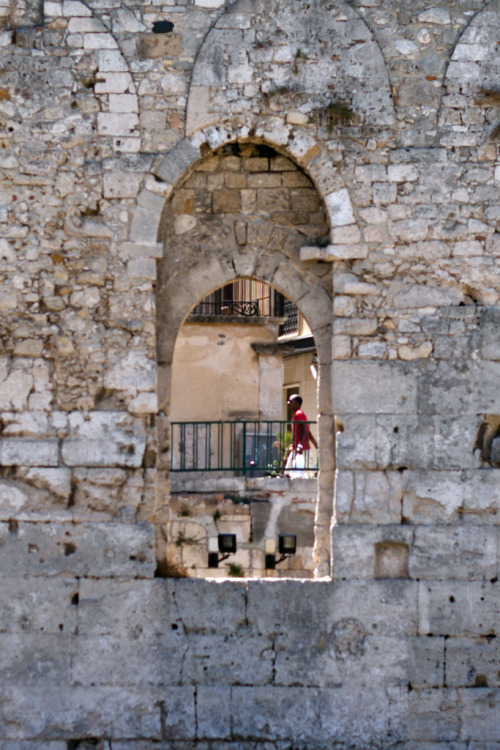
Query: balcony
x=253, y=448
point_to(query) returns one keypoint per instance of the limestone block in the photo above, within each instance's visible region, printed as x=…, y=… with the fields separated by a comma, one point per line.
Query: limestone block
x=433, y=496
x=213, y=712
x=354, y=547
x=369, y=387
x=113, y=83
x=142, y=249
x=363, y=497
x=486, y=395
x=346, y=252
x=87, y=298
x=12, y=499
x=104, y=439
x=121, y=184
x=451, y=552
x=355, y=326
x=434, y=715
x=490, y=334
x=371, y=173
x=56, y=481
x=81, y=549
x=16, y=382
x=106, y=711
x=372, y=350
x=258, y=712
x=342, y=348
x=80, y=24
x=98, y=490
x=127, y=609
x=114, y=660
x=481, y=496
x=426, y=296
x=177, y=161
x=123, y=103
x=357, y=445
x=131, y=373
x=447, y=393
x=99, y=41
x=109, y=123
x=126, y=21
x=458, y=608
x=75, y=8
x=29, y=452
x=36, y=605
x=338, y=205
x=144, y=226
x=344, y=306
x=144, y=403
x=479, y=714
x=472, y=662
x=36, y=659
x=402, y=173
x=29, y=348
x=348, y=283
x=427, y=662
x=211, y=657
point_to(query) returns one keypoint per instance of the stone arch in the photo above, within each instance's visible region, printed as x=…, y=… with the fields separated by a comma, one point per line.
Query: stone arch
x=299, y=145
x=110, y=77
x=261, y=59
x=470, y=111
x=213, y=234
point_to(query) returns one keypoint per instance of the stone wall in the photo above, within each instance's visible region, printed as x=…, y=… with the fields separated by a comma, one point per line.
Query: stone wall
x=388, y=115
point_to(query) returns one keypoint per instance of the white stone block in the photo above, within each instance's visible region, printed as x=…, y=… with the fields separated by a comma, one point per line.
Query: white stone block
x=111, y=61
x=82, y=25
x=375, y=387
x=117, y=124
x=123, y=103
x=113, y=83
x=52, y=9
x=346, y=252
x=99, y=41
x=127, y=145
x=104, y=439
x=75, y=8
x=435, y=15
x=209, y=3
x=339, y=207
x=402, y=173
x=131, y=373
x=121, y=184
x=29, y=452
x=144, y=403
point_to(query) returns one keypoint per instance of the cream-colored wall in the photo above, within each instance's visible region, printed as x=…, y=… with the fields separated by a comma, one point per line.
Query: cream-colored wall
x=216, y=373
x=297, y=371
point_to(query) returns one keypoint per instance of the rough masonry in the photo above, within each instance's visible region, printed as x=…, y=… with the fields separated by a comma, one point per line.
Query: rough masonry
x=345, y=152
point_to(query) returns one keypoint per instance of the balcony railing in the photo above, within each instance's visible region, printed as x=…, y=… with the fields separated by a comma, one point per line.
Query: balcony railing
x=256, y=448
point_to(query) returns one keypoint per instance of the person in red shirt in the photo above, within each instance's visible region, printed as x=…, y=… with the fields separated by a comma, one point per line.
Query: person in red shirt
x=302, y=437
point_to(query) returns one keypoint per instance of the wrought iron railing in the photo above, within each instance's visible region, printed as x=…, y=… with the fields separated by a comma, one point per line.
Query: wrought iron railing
x=248, y=308
x=249, y=447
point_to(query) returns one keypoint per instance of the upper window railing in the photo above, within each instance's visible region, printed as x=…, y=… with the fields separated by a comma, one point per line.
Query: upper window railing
x=247, y=298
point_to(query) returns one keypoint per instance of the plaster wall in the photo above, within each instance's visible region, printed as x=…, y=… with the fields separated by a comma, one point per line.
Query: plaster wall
x=216, y=373
x=391, y=111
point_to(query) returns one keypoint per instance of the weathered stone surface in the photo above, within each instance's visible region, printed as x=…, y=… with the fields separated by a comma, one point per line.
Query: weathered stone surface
x=104, y=439
x=78, y=549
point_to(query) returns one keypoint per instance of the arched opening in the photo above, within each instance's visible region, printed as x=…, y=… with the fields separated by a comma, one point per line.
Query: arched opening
x=243, y=214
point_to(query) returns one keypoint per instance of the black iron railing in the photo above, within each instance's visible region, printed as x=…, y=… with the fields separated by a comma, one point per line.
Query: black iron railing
x=253, y=447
